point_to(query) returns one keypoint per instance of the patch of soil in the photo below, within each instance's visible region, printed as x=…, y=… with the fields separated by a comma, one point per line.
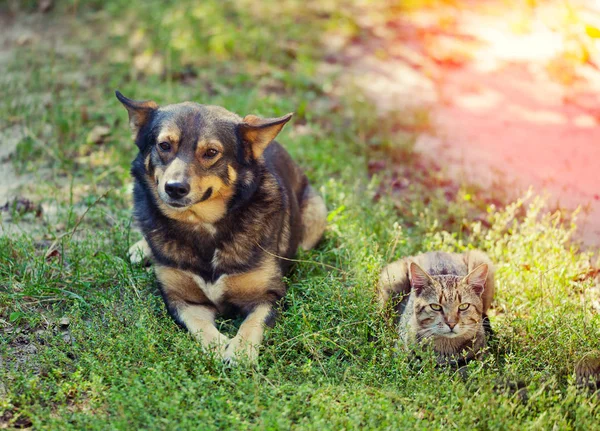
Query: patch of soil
x=22, y=348
x=15, y=420
x=509, y=108
x=20, y=208
x=10, y=181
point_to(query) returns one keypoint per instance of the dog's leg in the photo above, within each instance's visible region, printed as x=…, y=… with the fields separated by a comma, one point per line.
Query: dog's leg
x=200, y=321
x=246, y=343
x=189, y=306
x=140, y=252
x=314, y=218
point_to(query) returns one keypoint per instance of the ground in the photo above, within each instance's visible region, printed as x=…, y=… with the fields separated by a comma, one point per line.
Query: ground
x=511, y=93
x=86, y=342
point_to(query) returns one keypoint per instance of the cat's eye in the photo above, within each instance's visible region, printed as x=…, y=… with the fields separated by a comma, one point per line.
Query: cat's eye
x=436, y=307
x=164, y=146
x=211, y=153
x=464, y=307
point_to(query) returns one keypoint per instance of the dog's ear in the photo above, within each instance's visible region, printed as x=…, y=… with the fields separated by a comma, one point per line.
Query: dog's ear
x=139, y=111
x=260, y=132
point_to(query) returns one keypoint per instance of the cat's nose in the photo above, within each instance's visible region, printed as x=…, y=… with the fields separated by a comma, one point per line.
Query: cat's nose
x=451, y=325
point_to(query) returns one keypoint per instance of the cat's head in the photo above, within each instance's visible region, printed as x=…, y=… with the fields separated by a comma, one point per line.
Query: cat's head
x=448, y=305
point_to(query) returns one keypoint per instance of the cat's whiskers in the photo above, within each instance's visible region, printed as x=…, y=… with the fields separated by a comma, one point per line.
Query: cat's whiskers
x=448, y=295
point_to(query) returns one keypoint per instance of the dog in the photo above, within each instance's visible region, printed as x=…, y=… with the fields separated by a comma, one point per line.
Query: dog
x=223, y=209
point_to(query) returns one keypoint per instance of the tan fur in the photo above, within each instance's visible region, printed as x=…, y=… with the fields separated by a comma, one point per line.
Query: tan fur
x=250, y=286
x=474, y=258
x=170, y=133
x=201, y=148
x=230, y=260
x=285, y=234
x=249, y=336
x=214, y=290
x=200, y=184
x=209, y=211
x=139, y=113
x=248, y=178
x=393, y=281
x=175, y=171
x=204, y=212
x=200, y=321
x=453, y=281
x=446, y=348
x=171, y=248
x=232, y=174
x=587, y=370
x=260, y=132
x=159, y=172
x=185, y=295
x=314, y=219
x=179, y=286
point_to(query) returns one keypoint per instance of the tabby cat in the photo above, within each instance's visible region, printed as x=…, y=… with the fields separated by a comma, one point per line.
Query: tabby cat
x=441, y=300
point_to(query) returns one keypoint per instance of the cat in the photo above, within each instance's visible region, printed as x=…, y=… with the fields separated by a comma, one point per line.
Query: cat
x=441, y=300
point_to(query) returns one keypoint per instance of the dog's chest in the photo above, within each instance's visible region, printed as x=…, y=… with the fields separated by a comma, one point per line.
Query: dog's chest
x=214, y=291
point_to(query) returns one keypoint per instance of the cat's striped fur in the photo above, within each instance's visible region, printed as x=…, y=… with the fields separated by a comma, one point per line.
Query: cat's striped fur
x=440, y=299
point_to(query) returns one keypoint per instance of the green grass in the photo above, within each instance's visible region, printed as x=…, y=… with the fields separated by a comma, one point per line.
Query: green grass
x=329, y=363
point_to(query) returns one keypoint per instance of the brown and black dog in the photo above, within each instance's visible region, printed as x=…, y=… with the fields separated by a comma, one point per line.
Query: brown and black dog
x=222, y=208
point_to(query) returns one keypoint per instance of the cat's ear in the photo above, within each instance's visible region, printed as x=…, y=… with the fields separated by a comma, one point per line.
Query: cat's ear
x=476, y=278
x=139, y=111
x=419, y=279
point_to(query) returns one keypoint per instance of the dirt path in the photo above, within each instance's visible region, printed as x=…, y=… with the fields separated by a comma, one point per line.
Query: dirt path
x=509, y=108
x=18, y=193
x=16, y=34
x=511, y=102
x=11, y=36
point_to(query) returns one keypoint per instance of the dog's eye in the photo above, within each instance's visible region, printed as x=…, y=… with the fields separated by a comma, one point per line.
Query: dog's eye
x=164, y=146
x=464, y=307
x=436, y=307
x=211, y=153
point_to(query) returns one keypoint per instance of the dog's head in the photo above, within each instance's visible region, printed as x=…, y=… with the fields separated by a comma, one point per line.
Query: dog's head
x=196, y=153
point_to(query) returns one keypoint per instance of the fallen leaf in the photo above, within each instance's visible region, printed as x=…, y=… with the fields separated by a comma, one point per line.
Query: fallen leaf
x=98, y=134
x=22, y=206
x=54, y=253
x=591, y=273
x=45, y=5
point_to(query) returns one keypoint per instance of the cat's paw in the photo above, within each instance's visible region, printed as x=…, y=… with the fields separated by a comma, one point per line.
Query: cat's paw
x=587, y=370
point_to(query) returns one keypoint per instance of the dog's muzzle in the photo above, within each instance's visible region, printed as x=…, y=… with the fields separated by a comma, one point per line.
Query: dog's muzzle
x=177, y=190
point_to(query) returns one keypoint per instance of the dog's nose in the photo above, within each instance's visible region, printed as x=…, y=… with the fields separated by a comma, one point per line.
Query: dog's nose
x=177, y=190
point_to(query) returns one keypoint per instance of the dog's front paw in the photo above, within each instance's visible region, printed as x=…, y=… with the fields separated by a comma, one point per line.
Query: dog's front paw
x=140, y=252
x=216, y=345
x=239, y=350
